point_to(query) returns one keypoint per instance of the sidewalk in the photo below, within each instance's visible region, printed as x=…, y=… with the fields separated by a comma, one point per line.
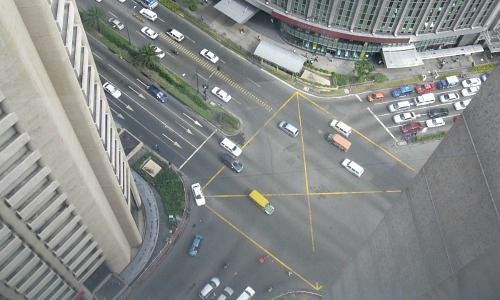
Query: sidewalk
x=151, y=229
x=263, y=26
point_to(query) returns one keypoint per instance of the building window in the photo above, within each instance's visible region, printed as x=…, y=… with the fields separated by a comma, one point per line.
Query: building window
x=299, y=7
x=321, y=11
x=280, y=3
x=451, y=17
x=413, y=15
x=367, y=15
x=390, y=13
x=435, y=12
x=344, y=13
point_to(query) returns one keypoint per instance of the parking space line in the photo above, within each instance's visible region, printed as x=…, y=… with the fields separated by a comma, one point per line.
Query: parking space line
x=315, y=286
x=363, y=136
x=382, y=124
x=305, y=175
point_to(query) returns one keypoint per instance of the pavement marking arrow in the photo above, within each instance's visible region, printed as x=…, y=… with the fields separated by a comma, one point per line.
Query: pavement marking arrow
x=141, y=82
x=317, y=286
x=120, y=116
x=193, y=120
x=173, y=142
x=138, y=93
x=187, y=129
x=129, y=108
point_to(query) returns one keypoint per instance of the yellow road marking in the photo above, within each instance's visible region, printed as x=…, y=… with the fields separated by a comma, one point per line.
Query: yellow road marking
x=268, y=120
x=305, y=176
x=213, y=177
x=315, y=286
x=363, y=136
x=310, y=194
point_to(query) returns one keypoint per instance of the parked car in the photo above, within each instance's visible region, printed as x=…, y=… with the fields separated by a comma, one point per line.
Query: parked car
x=226, y=293
x=231, y=147
x=411, y=128
x=399, y=106
x=471, y=82
x=376, y=97
x=199, y=198
x=195, y=245
x=112, y=90
x=449, y=97
x=150, y=33
x=353, y=167
x=221, y=94
x=471, y=91
x=116, y=24
x=461, y=105
x=402, y=91
x=209, y=55
x=435, y=122
x=158, y=93
x=288, y=128
x=425, y=88
x=159, y=53
x=209, y=288
x=437, y=113
x=404, y=117
x=232, y=163
x=247, y=294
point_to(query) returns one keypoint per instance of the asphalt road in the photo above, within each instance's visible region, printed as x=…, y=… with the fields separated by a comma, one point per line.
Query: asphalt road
x=323, y=213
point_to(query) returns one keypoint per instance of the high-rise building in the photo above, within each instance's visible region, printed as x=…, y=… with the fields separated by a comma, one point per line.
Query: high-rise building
x=441, y=240
x=66, y=192
x=347, y=28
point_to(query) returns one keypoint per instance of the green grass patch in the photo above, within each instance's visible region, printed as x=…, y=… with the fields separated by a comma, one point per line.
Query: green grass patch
x=429, y=137
x=483, y=68
x=167, y=183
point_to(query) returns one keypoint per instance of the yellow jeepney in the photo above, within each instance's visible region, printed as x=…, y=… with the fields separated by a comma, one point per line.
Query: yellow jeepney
x=261, y=201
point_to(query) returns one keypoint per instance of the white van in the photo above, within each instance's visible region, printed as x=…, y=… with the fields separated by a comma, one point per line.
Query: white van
x=230, y=147
x=425, y=99
x=176, y=35
x=399, y=106
x=353, y=167
x=341, y=127
x=148, y=14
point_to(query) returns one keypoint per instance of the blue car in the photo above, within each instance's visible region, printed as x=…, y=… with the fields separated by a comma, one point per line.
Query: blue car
x=402, y=91
x=158, y=93
x=195, y=246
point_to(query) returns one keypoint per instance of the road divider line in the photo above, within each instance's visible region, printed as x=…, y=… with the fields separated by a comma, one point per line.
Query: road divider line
x=359, y=98
x=315, y=286
x=303, y=194
x=382, y=124
x=197, y=149
x=304, y=160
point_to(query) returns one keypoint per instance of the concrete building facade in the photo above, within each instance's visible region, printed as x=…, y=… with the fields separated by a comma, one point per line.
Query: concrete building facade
x=67, y=194
x=442, y=239
x=347, y=28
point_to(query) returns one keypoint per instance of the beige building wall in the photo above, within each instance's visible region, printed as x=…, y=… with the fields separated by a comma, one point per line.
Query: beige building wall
x=65, y=185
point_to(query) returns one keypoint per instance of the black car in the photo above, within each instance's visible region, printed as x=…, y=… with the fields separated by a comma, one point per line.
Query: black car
x=158, y=93
x=437, y=113
x=232, y=163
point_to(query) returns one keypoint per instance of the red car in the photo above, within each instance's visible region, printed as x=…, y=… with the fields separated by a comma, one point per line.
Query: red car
x=410, y=128
x=426, y=88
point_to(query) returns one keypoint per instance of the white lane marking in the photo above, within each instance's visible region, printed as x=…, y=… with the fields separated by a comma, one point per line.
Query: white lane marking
x=197, y=149
x=95, y=55
x=173, y=142
x=253, y=82
x=116, y=70
x=112, y=14
x=194, y=42
x=382, y=124
x=359, y=98
x=147, y=129
x=161, y=20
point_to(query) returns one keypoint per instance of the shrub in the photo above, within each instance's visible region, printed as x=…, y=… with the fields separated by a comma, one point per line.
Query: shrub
x=482, y=68
x=378, y=77
x=340, y=79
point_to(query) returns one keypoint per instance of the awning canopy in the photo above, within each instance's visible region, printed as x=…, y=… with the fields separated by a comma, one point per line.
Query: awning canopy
x=238, y=10
x=401, y=57
x=283, y=58
x=455, y=51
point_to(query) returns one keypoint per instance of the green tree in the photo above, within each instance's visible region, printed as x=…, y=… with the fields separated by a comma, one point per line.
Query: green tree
x=91, y=18
x=146, y=56
x=362, y=68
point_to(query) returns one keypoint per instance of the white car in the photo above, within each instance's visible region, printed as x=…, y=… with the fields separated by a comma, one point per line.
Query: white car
x=247, y=294
x=221, y=94
x=226, y=293
x=399, y=106
x=404, y=117
x=231, y=147
x=121, y=1
x=449, y=97
x=209, y=55
x=471, y=82
x=115, y=23
x=159, y=52
x=198, y=194
x=112, y=90
x=150, y=33
x=209, y=288
x=461, y=105
x=471, y=91
x=353, y=167
x=437, y=122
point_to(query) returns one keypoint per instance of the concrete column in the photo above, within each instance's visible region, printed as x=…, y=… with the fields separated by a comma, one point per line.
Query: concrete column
x=380, y=16
x=440, y=20
x=462, y=12
x=332, y=12
x=310, y=8
x=289, y=6
x=424, y=16
x=401, y=18
x=356, y=15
